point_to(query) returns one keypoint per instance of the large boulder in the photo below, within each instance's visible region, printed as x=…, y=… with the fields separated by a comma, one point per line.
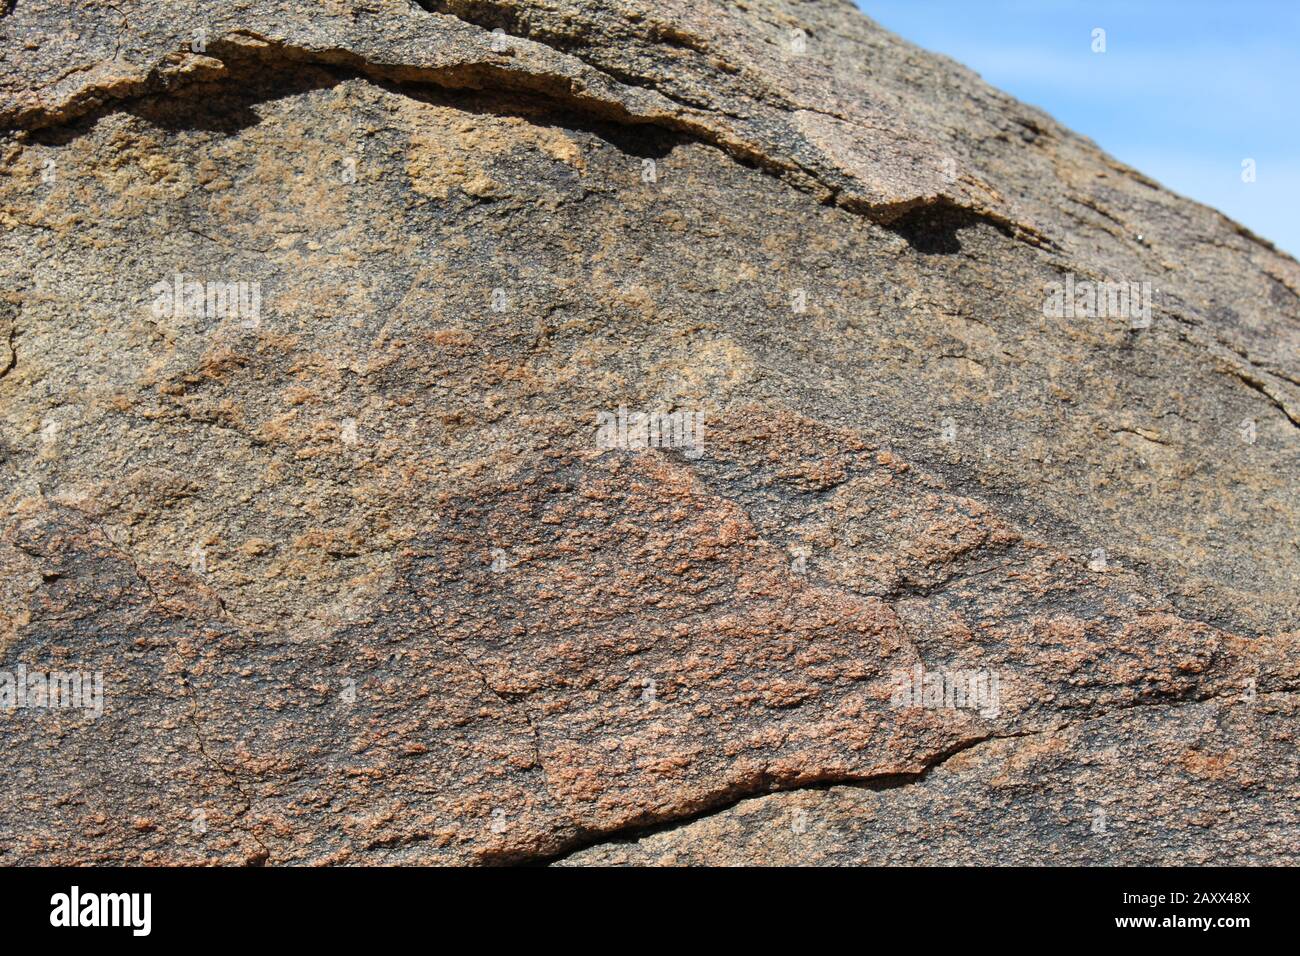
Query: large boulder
x=662, y=432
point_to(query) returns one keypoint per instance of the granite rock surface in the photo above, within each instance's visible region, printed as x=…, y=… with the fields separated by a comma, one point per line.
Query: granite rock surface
x=320, y=333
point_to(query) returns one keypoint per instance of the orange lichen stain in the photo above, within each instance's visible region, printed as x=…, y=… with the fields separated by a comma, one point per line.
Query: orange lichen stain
x=1027, y=755
x=448, y=337
x=1208, y=766
x=449, y=149
x=219, y=362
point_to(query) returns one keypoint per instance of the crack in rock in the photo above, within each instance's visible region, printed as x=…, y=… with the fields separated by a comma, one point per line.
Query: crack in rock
x=572, y=84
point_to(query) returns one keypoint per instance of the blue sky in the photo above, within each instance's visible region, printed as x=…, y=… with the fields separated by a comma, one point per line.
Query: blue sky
x=1185, y=91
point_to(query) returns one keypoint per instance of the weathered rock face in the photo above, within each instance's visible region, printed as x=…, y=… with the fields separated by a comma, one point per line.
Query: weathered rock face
x=341, y=530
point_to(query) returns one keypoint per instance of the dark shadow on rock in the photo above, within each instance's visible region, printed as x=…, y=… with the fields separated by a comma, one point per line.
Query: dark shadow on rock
x=223, y=106
x=643, y=140
x=227, y=106
x=932, y=229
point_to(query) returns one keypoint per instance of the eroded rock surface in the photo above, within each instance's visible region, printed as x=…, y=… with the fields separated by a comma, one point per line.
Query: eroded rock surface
x=361, y=580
